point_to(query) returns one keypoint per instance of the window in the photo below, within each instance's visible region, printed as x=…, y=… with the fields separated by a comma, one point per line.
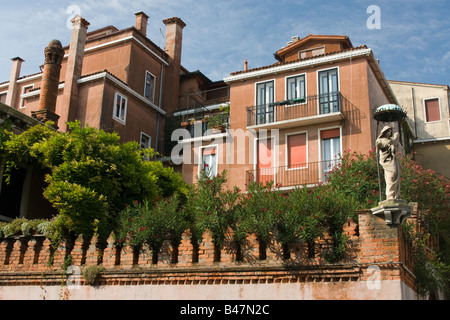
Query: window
x=25, y=89
x=295, y=87
x=328, y=91
x=209, y=161
x=331, y=149
x=120, y=108
x=3, y=97
x=149, y=89
x=265, y=164
x=432, y=110
x=145, y=144
x=296, y=151
x=311, y=52
x=264, y=102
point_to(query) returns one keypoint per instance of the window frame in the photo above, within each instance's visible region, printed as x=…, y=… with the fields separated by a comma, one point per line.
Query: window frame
x=275, y=149
x=322, y=176
x=143, y=134
x=200, y=161
x=122, y=97
x=286, y=139
x=22, y=100
x=304, y=88
x=311, y=49
x=267, y=108
x=152, y=94
x=425, y=109
x=319, y=94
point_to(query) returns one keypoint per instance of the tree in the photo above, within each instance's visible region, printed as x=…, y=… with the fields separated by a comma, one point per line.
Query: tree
x=90, y=175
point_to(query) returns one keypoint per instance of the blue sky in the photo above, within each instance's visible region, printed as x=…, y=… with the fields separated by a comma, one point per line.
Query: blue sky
x=412, y=41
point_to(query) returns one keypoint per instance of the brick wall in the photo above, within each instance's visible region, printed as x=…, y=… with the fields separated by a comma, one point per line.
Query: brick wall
x=372, y=245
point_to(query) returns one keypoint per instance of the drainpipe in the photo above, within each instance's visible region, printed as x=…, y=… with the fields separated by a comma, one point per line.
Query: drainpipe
x=159, y=105
x=413, y=96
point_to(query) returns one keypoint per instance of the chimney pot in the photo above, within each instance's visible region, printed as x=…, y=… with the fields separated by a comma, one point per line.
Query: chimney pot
x=245, y=65
x=141, y=22
x=15, y=73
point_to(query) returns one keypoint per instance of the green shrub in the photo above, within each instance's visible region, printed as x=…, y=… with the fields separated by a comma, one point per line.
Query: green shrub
x=90, y=274
x=90, y=174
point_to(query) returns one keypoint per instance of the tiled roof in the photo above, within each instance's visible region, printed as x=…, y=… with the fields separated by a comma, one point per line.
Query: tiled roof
x=311, y=37
x=294, y=61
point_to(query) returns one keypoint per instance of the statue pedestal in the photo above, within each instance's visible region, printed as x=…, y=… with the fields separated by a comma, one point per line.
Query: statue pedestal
x=393, y=211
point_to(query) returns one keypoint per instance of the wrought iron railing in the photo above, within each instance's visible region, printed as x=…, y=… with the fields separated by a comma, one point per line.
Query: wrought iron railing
x=310, y=173
x=295, y=109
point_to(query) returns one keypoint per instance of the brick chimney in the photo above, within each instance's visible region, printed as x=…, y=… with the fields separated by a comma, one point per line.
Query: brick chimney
x=141, y=22
x=173, y=44
x=73, y=70
x=12, y=88
x=174, y=37
x=54, y=54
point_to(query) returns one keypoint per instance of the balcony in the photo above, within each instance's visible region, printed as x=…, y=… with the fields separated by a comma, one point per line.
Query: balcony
x=286, y=177
x=298, y=112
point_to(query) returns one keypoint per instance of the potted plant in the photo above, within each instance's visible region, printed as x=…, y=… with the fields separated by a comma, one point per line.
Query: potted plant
x=217, y=121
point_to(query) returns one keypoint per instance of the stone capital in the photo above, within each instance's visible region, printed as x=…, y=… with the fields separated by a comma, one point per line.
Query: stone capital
x=393, y=211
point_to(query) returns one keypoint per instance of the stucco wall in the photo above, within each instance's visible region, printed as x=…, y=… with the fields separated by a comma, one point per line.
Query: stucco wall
x=357, y=290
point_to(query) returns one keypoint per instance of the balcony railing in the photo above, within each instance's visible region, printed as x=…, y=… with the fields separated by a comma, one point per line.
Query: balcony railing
x=310, y=173
x=312, y=106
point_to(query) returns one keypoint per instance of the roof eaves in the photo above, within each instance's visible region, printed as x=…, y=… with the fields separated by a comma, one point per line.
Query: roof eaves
x=298, y=60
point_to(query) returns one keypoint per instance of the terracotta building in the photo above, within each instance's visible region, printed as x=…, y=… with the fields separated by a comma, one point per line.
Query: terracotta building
x=428, y=114
x=290, y=121
x=111, y=79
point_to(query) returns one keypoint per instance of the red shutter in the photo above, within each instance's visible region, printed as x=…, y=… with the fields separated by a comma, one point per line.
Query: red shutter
x=432, y=110
x=296, y=149
x=332, y=133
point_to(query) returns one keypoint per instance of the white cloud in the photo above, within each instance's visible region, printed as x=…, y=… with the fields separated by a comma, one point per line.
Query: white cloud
x=220, y=35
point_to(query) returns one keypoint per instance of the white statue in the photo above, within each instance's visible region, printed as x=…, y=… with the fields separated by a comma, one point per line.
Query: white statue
x=388, y=145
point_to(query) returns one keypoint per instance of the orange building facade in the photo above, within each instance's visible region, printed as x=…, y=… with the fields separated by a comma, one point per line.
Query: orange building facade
x=290, y=121
x=287, y=122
